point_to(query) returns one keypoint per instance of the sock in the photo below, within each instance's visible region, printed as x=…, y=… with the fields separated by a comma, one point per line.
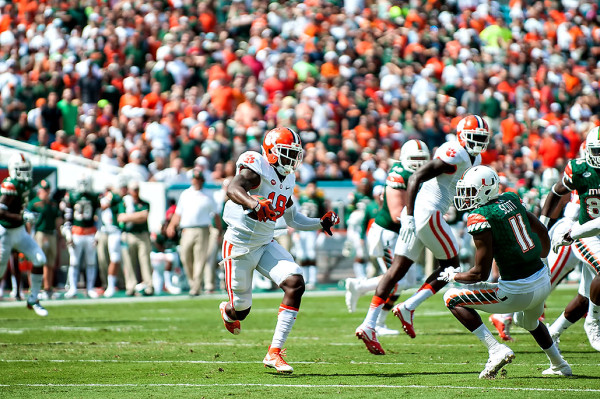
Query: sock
x=312, y=275
x=285, y=321
x=359, y=270
x=157, y=281
x=13, y=283
x=369, y=284
x=382, y=317
x=305, y=273
x=554, y=355
x=374, y=310
x=36, y=286
x=90, y=274
x=419, y=297
x=561, y=324
x=112, y=281
x=73, y=277
x=593, y=311
x=167, y=277
x=485, y=336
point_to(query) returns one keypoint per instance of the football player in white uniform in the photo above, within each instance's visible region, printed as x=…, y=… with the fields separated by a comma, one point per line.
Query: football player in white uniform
x=383, y=233
x=432, y=186
x=259, y=194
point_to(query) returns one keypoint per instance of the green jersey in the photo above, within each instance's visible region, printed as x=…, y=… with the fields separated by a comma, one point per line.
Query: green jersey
x=313, y=207
x=48, y=214
x=356, y=212
x=585, y=180
x=162, y=243
x=517, y=248
x=17, y=193
x=398, y=180
x=81, y=209
x=109, y=215
x=136, y=207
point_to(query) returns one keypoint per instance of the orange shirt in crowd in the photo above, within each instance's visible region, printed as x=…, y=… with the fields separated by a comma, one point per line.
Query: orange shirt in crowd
x=510, y=129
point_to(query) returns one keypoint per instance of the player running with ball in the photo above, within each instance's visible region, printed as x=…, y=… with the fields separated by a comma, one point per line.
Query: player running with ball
x=505, y=231
x=260, y=193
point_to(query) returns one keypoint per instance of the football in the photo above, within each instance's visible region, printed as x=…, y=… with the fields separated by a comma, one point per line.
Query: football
x=252, y=213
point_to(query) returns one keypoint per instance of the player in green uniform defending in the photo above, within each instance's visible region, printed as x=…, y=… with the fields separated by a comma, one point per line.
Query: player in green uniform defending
x=583, y=175
x=383, y=233
x=505, y=231
x=14, y=196
x=79, y=230
x=312, y=204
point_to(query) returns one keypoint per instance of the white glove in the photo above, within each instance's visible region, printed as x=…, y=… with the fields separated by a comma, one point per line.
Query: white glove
x=407, y=229
x=561, y=241
x=29, y=217
x=448, y=274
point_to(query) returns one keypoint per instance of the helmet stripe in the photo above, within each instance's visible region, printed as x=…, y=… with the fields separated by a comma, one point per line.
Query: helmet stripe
x=419, y=144
x=479, y=121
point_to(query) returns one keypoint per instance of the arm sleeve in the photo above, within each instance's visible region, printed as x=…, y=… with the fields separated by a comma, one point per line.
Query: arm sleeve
x=298, y=221
x=588, y=229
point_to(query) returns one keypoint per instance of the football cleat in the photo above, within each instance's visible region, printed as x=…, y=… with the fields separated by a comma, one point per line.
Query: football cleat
x=498, y=359
x=70, y=294
x=233, y=327
x=37, y=308
x=592, y=329
x=173, y=290
x=274, y=359
x=93, y=294
x=369, y=337
x=562, y=369
x=406, y=317
x=352, y=294
x=382, y=330
x=502, y=324
x=109, y=293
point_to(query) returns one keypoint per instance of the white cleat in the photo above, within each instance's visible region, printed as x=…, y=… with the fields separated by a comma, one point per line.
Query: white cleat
x=37, y=308
x=498, y=359
x=562, y=369
x=274, y=359
x=384, y=330
x=70, y=294
x=109, y=293
x=173, y=290
x=93, y=294
x=592, y=329
x=352, y=294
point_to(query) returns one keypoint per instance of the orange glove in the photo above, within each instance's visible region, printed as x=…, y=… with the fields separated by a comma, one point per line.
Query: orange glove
x=264, y=210
x=328, y=220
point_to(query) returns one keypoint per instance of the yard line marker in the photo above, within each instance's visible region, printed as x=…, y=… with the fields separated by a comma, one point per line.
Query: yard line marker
x=320, y=386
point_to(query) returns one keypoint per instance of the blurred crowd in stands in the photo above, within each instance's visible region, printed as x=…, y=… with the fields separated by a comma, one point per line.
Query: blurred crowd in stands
x=159, y=87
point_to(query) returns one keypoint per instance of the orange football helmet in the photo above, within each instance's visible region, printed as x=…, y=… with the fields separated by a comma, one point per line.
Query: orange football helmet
x=474, y=134
x=283, y=150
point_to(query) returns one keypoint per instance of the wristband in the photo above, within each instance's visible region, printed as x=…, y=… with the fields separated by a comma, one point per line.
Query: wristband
x=257, y=207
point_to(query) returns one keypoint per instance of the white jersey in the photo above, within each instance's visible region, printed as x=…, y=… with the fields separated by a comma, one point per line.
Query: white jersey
x=241, y=228
x=438, y=194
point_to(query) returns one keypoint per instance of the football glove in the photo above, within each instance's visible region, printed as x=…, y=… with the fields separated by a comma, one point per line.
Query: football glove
x=329, y=220
x=448, y=274
x=561, y=241
x=263, y=209
x=407, y=229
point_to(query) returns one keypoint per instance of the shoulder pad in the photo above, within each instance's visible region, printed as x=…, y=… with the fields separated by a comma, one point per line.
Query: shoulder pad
x=8, y=188
x=477, y=223
x=251, y=160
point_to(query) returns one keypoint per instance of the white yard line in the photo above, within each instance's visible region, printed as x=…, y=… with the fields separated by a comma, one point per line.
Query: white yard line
x=260, y=362
x=319, y=386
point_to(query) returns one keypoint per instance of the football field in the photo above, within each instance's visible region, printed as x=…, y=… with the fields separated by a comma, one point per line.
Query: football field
x=178, y=347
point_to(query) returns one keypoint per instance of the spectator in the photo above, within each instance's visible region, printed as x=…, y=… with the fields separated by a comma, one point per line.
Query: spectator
x=51, y=116
x=70, y=112
x=195, y=212
x=133, y=222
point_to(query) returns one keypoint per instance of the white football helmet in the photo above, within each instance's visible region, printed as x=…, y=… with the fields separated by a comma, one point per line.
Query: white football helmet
x=19, y=168
x=413, y=154
x=477, y=187
x=592, y=147
x=83, y=184
x=549, y=178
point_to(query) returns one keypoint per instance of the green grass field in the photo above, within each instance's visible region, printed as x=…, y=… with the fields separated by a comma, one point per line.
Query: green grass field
x=179, y=348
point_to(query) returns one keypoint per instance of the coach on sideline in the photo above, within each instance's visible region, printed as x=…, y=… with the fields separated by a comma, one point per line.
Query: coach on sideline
x=195, y=212
x=133, y=221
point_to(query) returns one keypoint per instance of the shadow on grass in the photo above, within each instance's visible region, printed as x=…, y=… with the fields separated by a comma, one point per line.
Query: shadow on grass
x=375, y=375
